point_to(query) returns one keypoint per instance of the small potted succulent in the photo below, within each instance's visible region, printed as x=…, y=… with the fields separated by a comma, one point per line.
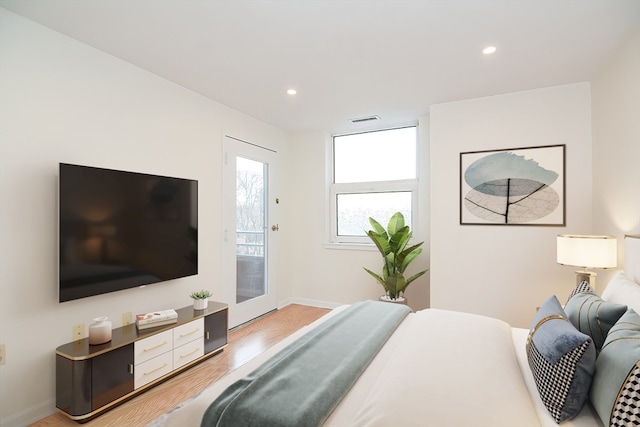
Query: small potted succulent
x=396, y=256
x=200, y=301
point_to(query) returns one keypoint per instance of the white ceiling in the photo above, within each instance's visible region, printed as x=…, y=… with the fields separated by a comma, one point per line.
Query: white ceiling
x=347, y=59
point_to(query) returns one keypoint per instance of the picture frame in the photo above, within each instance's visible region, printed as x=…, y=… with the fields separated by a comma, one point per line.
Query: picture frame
x=515, y=186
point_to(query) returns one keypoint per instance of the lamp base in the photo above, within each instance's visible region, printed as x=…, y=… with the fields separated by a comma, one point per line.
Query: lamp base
x=586, y=276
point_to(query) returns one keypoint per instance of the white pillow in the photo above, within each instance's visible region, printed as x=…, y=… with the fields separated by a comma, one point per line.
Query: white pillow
x=623, y=290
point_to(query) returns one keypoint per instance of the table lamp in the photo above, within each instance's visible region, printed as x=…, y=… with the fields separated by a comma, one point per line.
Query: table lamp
x=587, y=252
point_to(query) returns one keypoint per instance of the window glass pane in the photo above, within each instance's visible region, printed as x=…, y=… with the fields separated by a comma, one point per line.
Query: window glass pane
x=375, y=156
x=354, y=210
x=250, y=229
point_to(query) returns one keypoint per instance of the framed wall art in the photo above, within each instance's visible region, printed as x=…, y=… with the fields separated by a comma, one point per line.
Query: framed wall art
x=518, y=186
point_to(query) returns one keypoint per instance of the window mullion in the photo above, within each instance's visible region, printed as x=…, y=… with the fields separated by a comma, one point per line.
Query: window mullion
x=375, y=187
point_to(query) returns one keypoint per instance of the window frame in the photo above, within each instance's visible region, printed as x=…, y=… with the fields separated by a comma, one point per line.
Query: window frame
x=335, y=189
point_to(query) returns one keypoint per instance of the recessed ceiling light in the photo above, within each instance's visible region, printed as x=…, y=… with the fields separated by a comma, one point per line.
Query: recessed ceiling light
x=291, y=91
x=489, y=50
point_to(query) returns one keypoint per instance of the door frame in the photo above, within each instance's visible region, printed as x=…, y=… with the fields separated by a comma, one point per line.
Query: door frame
x=245, y=311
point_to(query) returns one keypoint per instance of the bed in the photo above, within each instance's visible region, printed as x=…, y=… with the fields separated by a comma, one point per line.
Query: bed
x=445, y=368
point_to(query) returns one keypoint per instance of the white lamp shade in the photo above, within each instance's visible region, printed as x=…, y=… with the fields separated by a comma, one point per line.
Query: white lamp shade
x=587, y=251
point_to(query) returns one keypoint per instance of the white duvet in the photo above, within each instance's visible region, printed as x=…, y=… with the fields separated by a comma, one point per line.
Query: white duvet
x=440, y=368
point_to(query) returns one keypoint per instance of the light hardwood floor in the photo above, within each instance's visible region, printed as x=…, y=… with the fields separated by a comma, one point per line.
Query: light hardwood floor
x=244, y=344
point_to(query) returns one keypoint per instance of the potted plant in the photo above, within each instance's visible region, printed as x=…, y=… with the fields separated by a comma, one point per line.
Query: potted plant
x=200, y=301
x=396, y=256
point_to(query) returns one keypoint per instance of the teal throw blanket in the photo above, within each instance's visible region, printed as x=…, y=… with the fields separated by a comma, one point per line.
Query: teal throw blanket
x=302, y=384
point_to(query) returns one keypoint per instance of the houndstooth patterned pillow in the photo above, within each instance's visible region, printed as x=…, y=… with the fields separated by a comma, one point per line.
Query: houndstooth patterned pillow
x=554, y=379
x=626, y=411
x=582, y=287
x=615, y=392
x=562, y=361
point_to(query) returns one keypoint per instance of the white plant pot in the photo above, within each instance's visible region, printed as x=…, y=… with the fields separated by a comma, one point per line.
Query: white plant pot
x=200, y=304
x=400, y=300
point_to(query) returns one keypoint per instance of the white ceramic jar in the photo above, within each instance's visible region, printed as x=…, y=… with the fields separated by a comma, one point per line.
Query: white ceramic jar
x=100, y=331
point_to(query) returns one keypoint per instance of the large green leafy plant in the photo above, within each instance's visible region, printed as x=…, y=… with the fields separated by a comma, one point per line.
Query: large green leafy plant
x=392, y=244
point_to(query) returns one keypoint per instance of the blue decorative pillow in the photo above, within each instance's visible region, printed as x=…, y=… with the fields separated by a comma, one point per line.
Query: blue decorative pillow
x=562, y=361
x=592, y=315
x=615, y=391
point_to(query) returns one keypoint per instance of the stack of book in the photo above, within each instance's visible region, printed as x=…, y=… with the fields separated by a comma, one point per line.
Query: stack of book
x=156, y=318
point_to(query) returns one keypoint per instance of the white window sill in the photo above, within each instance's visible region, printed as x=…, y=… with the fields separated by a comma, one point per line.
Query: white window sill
x=351, y=246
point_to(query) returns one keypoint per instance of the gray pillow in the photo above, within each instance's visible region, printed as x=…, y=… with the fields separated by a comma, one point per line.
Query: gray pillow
x=615, y=391
x=592, y=315
x=562, y=361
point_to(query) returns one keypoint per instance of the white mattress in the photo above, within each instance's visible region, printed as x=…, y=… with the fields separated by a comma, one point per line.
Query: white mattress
x=432, y=384
x=450, y=369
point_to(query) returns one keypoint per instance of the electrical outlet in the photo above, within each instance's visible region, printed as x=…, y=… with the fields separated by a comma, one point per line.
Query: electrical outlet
x=127, y=318
x=3, y=354
x=79, y=331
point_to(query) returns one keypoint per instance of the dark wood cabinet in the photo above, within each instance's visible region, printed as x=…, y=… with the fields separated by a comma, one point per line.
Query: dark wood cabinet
x=215, y=335
x=111, y=376
x=92, y=379
x=73, y=389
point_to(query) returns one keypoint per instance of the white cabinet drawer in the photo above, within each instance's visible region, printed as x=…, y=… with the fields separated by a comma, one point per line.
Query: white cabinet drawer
x=153, y=369
x=187, y=353
x=153, y=346
x=188, y=332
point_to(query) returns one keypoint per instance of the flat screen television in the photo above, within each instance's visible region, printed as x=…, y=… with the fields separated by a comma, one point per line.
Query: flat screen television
x=119, y=230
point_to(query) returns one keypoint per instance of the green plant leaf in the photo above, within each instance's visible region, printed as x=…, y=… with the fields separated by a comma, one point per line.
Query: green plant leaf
x=203, y=294
x=407, y=256
x=395, y=284
x=380, y=241
x=414, y=277
x=396, y=222
x=377, y=277
x=378, y=228
x=399, y=240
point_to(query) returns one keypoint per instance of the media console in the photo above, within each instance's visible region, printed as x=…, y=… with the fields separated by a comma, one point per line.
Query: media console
x=91, y=379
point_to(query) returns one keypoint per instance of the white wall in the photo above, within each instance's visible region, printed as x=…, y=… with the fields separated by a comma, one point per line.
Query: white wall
x=63, y=101
x=616, y=146
x=505, y=271
x=319, y=272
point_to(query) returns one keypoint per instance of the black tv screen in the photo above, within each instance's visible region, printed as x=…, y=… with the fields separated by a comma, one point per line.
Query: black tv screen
x=119, y=230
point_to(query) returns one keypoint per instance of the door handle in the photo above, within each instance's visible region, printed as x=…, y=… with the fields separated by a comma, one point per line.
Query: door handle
x=275, y=227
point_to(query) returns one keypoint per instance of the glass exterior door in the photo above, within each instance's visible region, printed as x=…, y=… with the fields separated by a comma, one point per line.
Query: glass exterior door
x=248, y=272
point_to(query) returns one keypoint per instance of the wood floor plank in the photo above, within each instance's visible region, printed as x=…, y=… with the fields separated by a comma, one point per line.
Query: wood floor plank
x=244, y=344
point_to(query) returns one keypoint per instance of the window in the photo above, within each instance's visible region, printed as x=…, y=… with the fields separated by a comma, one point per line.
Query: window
x=374, y=175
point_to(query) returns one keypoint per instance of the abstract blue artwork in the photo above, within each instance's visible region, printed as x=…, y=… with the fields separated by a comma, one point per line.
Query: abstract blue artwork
x=519, y=186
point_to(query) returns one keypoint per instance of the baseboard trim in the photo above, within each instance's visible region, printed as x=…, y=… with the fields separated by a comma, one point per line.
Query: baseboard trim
x=309, y=302
x=30, y=415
